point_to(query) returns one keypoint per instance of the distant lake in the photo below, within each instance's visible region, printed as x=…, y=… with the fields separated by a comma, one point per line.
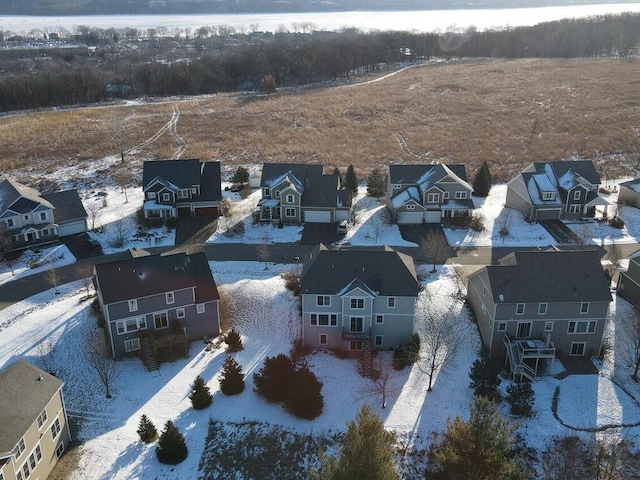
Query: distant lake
x=421, y=21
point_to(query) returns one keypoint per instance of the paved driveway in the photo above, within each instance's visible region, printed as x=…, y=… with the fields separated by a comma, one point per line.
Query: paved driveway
x=560, y=232
x=77, y=245
x=315, y=233
x=195, y=229
x=421, y=232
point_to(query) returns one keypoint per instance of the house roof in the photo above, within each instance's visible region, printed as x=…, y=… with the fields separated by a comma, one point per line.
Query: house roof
x=67, y=204
x=420, y=174
x=549, y=276
x=19, y=198
x=25, y=391
x=633, y=185
x=272, y=172
x=185, y=174
x=144, y=275
x=385, y=271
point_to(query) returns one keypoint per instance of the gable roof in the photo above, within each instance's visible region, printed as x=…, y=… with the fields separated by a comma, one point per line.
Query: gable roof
x=19, y=198
x=25, y=391
x=385, y=271
x=273, y=173
x=548, y=276
x=146, y=275
x=420, y=174
x=185, y=174
x=67, y=204
x=633, y=185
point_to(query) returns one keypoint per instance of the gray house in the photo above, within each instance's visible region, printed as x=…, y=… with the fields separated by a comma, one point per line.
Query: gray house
x=353, y=300
x=428, y=193
x=629, y=282
x=154, y=304
x=538, y=304
x=28, y=219
x=630, y=193
x=300, y=193
x=556, y=190
x=181, y=188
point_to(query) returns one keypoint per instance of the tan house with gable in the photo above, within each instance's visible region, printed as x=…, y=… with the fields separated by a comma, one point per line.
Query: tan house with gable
x=34, y=430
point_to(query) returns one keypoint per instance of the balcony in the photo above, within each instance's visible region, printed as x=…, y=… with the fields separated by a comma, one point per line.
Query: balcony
x=524, y=355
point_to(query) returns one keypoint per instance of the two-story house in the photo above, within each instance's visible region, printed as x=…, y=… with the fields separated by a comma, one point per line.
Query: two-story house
x=181, y=188
x=300, y=193
x=34, y=430
x=153, y=304
x=535, y=305
x=556, y=190
x=428, y=193
x=354, y=299
x=629, y=281
x=28, y=219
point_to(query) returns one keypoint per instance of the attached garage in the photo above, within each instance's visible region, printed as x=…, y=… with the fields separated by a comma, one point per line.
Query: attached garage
x=342, y=215
x=184, y=212
x=70, y=228
x=548, y=213
x=207, y=212
x=433, y=216
x=409, y=217
x=317, y=217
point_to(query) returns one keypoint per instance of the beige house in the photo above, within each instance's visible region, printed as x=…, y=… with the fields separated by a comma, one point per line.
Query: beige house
x=34, y=430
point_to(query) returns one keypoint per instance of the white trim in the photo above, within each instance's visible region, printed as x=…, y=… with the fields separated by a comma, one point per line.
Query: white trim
x=543, y=308
x=375, y=341
x=357, y=300
x=326, y=339
x=180, y=312
x=548, y=326
x=133, y=305
x=391, y=300
x=584, y=311
x=170, y=297
x=200, y=308
x=584, y=347
x=132, y=344
x=576, y=327
x=518, y=305
x=325, y=302
x=502, y=326
x=381, y=318
x=332, y=319
x=159, y=316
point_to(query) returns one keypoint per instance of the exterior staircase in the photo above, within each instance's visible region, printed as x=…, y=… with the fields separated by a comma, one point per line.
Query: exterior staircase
x=148, y=354
x=367, y=360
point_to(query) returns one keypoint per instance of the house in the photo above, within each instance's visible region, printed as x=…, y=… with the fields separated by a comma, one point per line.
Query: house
x=428, y=193
x=297, y=193
x=629, y=282
x=29, y=219
x=629, y=193
x=535, y=305
x=556, y=190
x=153, y=304
x=353, y=300
x=181, y=188
x=33, y=419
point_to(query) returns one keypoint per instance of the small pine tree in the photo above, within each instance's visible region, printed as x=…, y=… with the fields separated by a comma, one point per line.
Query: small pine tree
x=376, y=183
x=484, y=377
x=351, y=180
x=240, y=177
x=200, y=394
x=521, y=397
x=147, y=430
x=305, y=399
x=232, y=378
x=482, y=181
x=273, y=380
x=172, y=448
x=233, y=341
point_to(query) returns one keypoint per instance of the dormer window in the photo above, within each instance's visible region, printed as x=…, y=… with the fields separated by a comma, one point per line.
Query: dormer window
x=548, y=195
x=433, y=197
x=445, y=196
x=277, y=193
x=461, y=195
x=43, y=216
x=397, y=186
x=151, y=195
x=267, y=192
x=10, y=222
x=289, y=198
x=195, y=190
x=183, y=193
x=576, y=195
x=166, y=197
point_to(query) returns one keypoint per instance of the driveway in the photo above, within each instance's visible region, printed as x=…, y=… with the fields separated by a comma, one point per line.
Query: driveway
x=315, y=233
x=195, y=229
x=77, y=245
x=560, y=232
x=419, y=233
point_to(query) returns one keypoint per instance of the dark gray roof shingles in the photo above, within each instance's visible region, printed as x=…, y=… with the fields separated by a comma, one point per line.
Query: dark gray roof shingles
x=67, y=204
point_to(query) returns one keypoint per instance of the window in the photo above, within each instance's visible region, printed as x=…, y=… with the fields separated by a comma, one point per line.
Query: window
x=357, y=303
x=524, y=330
x=180, y=313
x=195, y=190
x=324, y=319
x=38, y=452
x=43, y=216
x=160, y=320
x=584, y=307
x=548, y=327
x=45, y=232
x=21, y=447
x=355, y=345
x=289, y=212
x=18, y=475
x=576, y=195
x=151, y=195
x=200, y=308
x=410, y=207
x=323, y=300
x=290, y=198
x=542, y=309
x=55, y=428
x=445, y=195
x=267, y=192
x=379, y=319
x=502, y=326
x=26, y=217
x=278, y=193
x=183, y=193
x=133, y=305
x=577, y=348
x=132, y=345
x=397, y=186
x=378, y=341
x=356, y=324
x=25, y=470
x=59, y=450
x=323, y=339
x=32, y=461
x=166, y=197
x=10, y=222
x=42, y=418
x=548, y=195
x=433, y=197
x=520, y=309
x=170, y=297
x=574, y=208
x=131, y=325
x=391, y=302
x=582, y=327
x=461, y=195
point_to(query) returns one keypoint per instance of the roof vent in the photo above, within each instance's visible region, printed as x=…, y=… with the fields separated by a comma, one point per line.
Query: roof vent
x=40, y=378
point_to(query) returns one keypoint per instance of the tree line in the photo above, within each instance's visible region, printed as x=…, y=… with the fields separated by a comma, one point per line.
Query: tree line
x=221, y=60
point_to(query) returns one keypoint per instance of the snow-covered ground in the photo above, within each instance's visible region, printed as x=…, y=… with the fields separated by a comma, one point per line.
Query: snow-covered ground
x=52, y=331
x=31, y=262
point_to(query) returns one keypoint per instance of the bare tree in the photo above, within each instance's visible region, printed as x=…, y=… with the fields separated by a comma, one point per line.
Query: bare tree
x=435, y=248
x=52, y=276
x=438, y=344
x=85, y=272
x=264, y=251
x=122, y=178
x=99, y=358
x=120, y=234
x=614, y=255
x=584, y=234
x=382, y=384
x=93, y=210
x=628, y=340
x=46, y=349
x=504, y=222
x=610, y=458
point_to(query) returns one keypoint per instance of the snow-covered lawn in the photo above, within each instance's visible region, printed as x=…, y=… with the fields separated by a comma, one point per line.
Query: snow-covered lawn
x=51, y=331
x=30, y=262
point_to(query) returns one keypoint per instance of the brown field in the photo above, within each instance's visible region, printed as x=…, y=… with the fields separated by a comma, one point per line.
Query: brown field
x=507, y=112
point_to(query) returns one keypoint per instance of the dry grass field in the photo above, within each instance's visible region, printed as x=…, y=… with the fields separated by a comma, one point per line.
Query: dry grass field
x=507, y=112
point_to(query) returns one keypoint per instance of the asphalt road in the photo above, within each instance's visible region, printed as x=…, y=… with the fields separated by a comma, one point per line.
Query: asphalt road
x=25, y=287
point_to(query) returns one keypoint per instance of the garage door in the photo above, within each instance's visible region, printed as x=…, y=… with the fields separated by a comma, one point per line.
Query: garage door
x=207, y=212
x=432, y=217
x=317, y=217
x=548, y=214
x=184, y=212
x=409, y=217
x=71, y=228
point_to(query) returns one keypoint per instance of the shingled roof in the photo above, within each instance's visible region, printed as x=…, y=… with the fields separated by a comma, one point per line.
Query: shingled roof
x=67, y=204
x=20, y=198
x=549, y=276
x=25, y=391
x=185, y=174
x=385, y=271
x=147, y=275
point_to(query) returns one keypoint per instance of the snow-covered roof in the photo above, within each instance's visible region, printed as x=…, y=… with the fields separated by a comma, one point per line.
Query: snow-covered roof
x=406, y=195
x=539, y=184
